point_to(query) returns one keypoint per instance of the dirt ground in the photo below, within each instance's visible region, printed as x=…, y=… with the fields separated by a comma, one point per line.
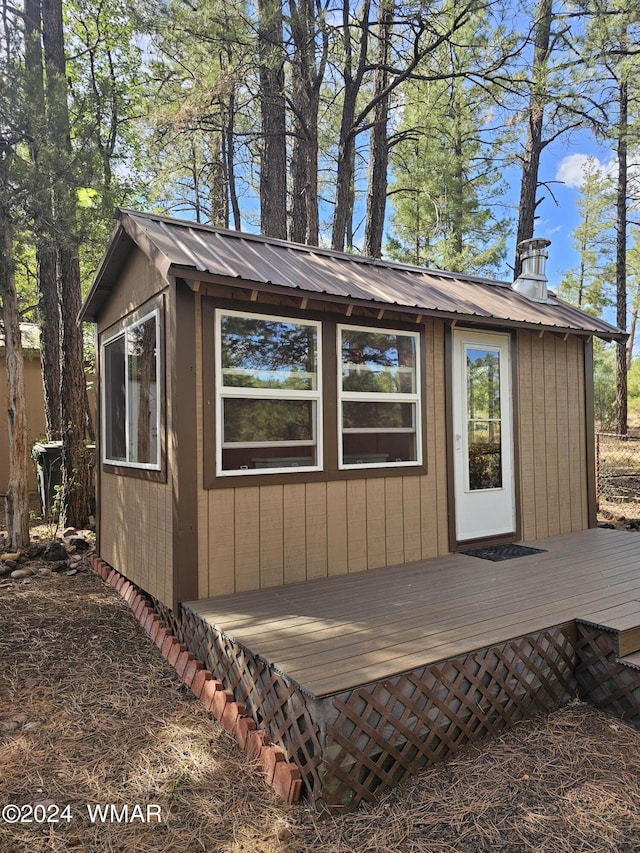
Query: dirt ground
x=91, y=714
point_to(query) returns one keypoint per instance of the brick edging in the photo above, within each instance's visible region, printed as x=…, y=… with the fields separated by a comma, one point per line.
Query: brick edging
x=281, y=774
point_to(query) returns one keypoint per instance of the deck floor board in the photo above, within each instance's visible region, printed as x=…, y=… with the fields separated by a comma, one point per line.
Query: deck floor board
x=314, y=630
x=334, y=633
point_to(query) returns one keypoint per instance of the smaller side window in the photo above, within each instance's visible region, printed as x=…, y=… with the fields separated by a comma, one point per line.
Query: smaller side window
x=130, y=398
x=379, y=397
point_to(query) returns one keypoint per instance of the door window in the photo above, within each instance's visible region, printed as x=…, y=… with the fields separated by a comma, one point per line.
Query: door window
x=484, y=444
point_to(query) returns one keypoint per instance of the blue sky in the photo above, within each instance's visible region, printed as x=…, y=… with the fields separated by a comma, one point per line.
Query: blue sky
x=563, y=164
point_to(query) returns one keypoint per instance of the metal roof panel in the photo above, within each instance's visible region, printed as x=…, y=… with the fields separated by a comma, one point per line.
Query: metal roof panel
x=259, y=260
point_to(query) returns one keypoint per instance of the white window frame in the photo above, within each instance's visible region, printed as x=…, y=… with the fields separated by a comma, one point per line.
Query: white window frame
x=371, y=396
x=229, y=392
x=122, y=333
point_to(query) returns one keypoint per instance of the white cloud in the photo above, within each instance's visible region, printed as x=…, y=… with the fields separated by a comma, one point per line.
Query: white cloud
x=572, y=169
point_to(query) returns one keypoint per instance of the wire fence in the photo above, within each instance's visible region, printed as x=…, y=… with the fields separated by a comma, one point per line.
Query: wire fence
x=618, y=475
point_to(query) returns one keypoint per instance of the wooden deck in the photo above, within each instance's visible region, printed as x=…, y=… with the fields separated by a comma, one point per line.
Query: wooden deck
x=333, y=634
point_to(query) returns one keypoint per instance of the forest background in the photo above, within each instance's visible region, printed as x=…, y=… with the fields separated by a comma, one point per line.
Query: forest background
x=440, y=134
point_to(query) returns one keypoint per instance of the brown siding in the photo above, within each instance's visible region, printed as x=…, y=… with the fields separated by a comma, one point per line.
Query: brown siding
x=253, y=537
x=271, y=536
x=139, y=282
x=36, y=424
x=552, y=435
x=136, y=532
x=136, y=513
x=295, y=533
x=337, y=540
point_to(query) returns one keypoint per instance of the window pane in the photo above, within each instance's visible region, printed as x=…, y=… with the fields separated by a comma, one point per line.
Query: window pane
x=256, y=421
x=485, y=455
x=143, y=392
x=377, y=433
x=483, y=383
x=378, y=362
x=373, y=415
x=114, y=400
x=377, y=448
x=259, y=353
x=258, y=458
x=268, y=434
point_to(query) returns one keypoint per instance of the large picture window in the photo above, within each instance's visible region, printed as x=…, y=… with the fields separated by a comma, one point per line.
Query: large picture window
x=268, y=393
x=379, y=397
x=130, y=398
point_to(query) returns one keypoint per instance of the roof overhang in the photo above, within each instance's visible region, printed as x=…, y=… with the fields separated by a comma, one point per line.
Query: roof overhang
x=113, y=261
x=204, y=254
x=198, y=282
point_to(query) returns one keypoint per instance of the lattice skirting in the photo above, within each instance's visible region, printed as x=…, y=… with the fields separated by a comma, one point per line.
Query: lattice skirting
x=275, y=703
x=382, y=732
x=354, y=745
x=602, y=680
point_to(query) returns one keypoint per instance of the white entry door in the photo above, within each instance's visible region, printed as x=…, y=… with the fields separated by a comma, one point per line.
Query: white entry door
x=482, y=435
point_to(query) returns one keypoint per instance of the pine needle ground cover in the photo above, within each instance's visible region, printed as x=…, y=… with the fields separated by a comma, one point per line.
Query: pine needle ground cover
x=91, y=715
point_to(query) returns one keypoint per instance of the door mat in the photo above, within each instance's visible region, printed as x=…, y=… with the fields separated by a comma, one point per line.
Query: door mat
x=497, y=553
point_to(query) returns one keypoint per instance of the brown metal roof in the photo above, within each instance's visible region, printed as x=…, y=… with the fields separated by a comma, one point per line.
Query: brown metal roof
x=195, y=251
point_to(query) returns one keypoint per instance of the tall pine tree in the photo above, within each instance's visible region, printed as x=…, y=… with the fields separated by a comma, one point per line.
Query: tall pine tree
x=446, y=186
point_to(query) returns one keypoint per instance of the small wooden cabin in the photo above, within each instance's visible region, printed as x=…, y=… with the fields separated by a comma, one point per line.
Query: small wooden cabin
x=273, y=413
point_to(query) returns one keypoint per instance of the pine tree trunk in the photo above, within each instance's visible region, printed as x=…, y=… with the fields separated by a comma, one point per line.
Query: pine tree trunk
x=379, y=142
x=457, y=201
x=306, y=82
x=17, y=501
x=342, y=227
x=299, y=173
x=230, y=164
x=305, y=220
x=534, y=143
x=343, y=210
x=299, y=168
x=75, y=468
x=621, y=259
x=632, y=335
x=218, y=186
x=273, y=167
x=75, y=461
x=43, y=218
x=49, y=311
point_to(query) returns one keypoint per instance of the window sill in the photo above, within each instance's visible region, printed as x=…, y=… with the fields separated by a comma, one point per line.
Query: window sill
x=154, y=475
x=294, y=476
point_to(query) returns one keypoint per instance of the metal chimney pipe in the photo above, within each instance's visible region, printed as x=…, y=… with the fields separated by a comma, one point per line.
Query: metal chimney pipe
x=532, y=281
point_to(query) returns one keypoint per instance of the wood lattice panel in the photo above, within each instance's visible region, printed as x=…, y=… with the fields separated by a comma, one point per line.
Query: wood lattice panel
x=602, y=680
x=275, y=704
x=168, y=617
x=385, y=731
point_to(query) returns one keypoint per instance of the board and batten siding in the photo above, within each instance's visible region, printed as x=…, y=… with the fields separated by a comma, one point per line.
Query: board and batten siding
x=136, y=514
x=138, y=283
x=552, y=433
x=136, y=532
x=253, y=537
